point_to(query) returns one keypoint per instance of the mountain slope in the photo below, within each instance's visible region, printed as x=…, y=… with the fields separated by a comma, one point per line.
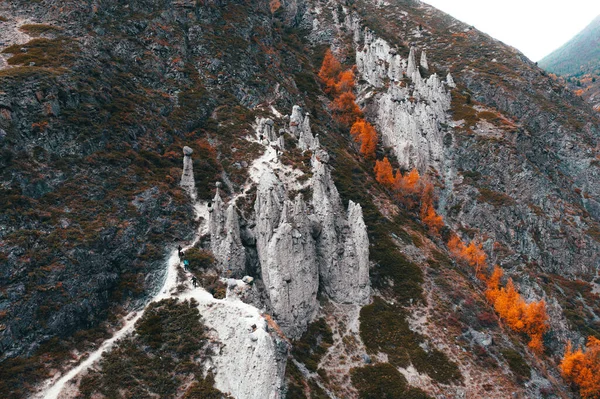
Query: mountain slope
x=580, y=55
x=93, y=205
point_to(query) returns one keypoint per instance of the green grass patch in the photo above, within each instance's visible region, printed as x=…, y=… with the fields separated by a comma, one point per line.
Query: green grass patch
x=383, y=381
x=494, y=198
x=516, y=363
x=49, y=53
x=383, y=328
x=163, y=353
x=39, y=29
x=313, y=344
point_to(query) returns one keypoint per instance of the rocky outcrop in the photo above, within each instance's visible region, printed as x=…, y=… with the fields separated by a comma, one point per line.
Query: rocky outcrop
x=300, y=128
x=187, y=178
x=290, y=272
x=226, y=243
x=409, y=119
x=302, y=247
x=343, y=244
x=287, y=255
x=412, y=63
x=249, y=362
x=376, y=61
x=423, y=62
x=266, y=129
x=450, y=81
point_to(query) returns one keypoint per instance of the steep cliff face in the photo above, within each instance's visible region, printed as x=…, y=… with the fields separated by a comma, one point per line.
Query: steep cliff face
x=300, y=246
x=93, y=117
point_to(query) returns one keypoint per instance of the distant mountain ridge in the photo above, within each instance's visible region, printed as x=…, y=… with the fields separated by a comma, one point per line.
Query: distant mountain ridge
x=579, y=55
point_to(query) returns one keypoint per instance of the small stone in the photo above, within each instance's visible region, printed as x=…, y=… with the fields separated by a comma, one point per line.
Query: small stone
x=248, y=279
x=187, y=151
x=366, y=359
x=218, y=184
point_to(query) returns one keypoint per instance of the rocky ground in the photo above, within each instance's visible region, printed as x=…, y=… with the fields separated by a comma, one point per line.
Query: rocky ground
x=97, y=100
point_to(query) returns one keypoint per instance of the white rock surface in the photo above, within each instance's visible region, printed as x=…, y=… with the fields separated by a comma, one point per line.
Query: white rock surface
x=187, y=178
x=409, y=119
x=343, y=244
x=291, y=271
x=412, y=63
x=450, y=81
x=226, y=243
x=424, y=60
x=300, y=128
x=266, y=129
x=248, y=364
x=377, y=61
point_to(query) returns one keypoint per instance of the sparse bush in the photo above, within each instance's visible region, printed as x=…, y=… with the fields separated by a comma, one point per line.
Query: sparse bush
x=516, y=363
x=383, y=328
x=39, y=29
x=383, y=381
x=313, y=344
x=52, y=53
x=200, y=260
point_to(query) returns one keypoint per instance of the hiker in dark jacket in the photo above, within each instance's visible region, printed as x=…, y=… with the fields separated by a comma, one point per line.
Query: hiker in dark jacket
x=194, y=281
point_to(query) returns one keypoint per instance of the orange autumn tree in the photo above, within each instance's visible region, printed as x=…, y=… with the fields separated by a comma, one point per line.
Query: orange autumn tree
x=330, y=69
x=345, y=110
x=384, y=173
x=408, y=183
x=428, y=214
x=530, y=318
x=473, y=253
x=582, y=368
x=345, y=82
x=365, y=134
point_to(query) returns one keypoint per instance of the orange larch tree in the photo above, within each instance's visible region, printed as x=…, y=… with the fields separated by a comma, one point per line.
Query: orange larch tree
x=345, y=110
x=365, y=134
x=330, y=69
x=384, y=173
x=345, y=82
x=583, y=368
x=429, y=216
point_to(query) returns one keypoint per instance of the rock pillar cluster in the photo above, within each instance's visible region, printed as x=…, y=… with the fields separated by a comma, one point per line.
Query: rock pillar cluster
x=187, y=178
x=226, y=243
x=301, y=245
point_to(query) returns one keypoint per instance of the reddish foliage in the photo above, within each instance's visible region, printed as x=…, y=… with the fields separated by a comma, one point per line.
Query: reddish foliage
x=473, y=254
x=274, y=5
x=384, y=173
x=429, y=216
x=530, y=318
x=345, y=110
x=330, y=69
x=365, y=134
x=345, y=82
x=583, y=368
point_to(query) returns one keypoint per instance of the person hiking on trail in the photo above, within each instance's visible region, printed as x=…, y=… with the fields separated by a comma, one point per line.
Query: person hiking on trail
x=194, y=281
x=186, y=263
x=180, y=252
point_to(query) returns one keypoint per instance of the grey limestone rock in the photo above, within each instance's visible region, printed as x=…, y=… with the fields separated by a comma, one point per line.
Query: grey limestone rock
x=187, y=178
x=412, y=63
x=377, y=61
x=291, y=272
x=226, y=243
x=424, y=60
x=266, y=129
x=300, y=128
x=342, y=244
x=450, y=81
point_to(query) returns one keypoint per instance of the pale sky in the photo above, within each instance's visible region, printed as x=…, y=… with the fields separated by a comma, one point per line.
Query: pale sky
x=535, y=27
